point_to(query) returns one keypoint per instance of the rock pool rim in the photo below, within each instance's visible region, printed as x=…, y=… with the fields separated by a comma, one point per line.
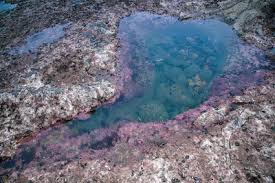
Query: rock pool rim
x=118, y=93
x=117, y=96
x=150, y=122
x=174, y=21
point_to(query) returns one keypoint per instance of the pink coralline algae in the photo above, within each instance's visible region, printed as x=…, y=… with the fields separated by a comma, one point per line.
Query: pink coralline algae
x=229, y=137
x=59, y=144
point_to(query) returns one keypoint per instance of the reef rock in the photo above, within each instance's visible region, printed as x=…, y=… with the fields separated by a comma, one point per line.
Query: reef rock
x=233, y=142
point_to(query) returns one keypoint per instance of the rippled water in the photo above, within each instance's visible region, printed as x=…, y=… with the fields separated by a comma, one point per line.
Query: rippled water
x=173, y=64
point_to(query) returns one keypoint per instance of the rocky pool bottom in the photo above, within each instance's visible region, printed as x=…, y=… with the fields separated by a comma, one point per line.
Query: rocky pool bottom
x=225, y=139
x=68, y=148
x=172, y=65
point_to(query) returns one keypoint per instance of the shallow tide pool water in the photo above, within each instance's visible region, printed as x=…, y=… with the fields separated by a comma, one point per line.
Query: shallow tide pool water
x=6, y=6
x=173, y=64
x=46, y=36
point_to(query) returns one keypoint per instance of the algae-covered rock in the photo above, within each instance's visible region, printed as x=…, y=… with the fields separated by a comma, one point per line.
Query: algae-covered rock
x=271, y=55
x=39, y=90
x=236, y=135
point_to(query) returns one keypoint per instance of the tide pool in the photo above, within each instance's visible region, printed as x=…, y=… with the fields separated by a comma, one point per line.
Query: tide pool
x=173, y=65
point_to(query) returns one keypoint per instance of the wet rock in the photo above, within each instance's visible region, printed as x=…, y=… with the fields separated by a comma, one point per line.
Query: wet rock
x=202, y=157
x=104, y=142
x=271, y=55
x=47, y=36
x=46, y=89
x=31, y=111
x=76, y=74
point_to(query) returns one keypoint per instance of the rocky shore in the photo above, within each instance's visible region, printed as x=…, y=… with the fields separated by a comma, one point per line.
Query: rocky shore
x=231, y=141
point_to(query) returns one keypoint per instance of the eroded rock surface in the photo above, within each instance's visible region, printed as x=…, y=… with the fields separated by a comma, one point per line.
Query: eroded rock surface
x=233, y=142
x=55, y=84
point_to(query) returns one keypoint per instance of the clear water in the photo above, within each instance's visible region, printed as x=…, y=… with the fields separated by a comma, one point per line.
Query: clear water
x=6, y=6
x=47, y=36
x=173, y=64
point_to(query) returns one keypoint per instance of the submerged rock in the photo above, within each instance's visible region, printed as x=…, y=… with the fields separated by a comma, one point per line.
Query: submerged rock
x=171, y=69
x=152, y=111
x=231, y=141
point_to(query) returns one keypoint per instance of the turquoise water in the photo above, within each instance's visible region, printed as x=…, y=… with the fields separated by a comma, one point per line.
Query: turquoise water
x=173, y=64
x=6, y=6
